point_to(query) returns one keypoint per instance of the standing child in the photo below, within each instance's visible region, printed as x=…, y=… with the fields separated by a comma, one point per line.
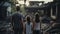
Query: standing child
x=37, y=24
x=28, y=25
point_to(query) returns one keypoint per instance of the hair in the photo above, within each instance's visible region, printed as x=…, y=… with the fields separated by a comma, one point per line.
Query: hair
x=17, y=8
x=37, y=18
x=28, y=18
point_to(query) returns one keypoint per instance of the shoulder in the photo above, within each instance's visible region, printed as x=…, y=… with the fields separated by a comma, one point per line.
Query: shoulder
x=20, y=14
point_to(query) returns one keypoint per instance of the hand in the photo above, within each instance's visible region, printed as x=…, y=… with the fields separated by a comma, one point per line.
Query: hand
x=11, y=29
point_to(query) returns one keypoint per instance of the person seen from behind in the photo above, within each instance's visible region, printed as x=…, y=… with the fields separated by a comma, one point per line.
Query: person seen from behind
x=17, y=21
x=36, y=24
x=28, y=25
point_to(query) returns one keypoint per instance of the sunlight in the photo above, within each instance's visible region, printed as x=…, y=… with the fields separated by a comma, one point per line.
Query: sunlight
x=20, y=2
x=27, y=3
x=46, y=1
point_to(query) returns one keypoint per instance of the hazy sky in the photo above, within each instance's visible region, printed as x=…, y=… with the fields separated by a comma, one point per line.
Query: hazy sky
x=42, y=0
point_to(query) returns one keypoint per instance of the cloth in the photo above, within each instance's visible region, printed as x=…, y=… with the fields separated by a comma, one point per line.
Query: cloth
x=37, y=26
x=28, y=28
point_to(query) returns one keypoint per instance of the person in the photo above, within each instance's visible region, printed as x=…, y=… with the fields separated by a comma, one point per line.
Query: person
x=28, y=25
x=17, y=21
x=36, y=24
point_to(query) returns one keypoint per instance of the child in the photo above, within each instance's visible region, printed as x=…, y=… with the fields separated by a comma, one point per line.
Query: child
x=28, y=25
x=37, y=24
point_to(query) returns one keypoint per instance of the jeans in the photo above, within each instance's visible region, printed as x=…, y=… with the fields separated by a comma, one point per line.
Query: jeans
x=17, y=31
x=36, y=32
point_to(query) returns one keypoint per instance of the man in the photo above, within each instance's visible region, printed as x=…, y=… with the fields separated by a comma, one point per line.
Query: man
x=17, y=21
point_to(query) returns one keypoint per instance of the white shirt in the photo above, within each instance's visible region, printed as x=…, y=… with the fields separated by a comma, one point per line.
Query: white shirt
x=37, y=26
x=28, y=28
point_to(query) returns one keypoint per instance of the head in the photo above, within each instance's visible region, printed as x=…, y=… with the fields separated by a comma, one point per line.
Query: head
x=17, y=8
x=37, y=18
x=28, y=18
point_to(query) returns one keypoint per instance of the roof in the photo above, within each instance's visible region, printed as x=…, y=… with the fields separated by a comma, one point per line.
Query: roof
x=40, y=8
x=36, y=1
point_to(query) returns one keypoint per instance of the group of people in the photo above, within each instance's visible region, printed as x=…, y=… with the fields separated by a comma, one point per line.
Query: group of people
x=30, y=26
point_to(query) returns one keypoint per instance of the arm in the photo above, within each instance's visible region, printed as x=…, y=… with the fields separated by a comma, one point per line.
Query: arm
x=33, y=24
x=24, y=28
x=21, y=21
x=11, y=23
x=11, y=20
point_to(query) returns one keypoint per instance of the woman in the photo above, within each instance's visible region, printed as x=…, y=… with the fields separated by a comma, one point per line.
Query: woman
x=37, y=24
